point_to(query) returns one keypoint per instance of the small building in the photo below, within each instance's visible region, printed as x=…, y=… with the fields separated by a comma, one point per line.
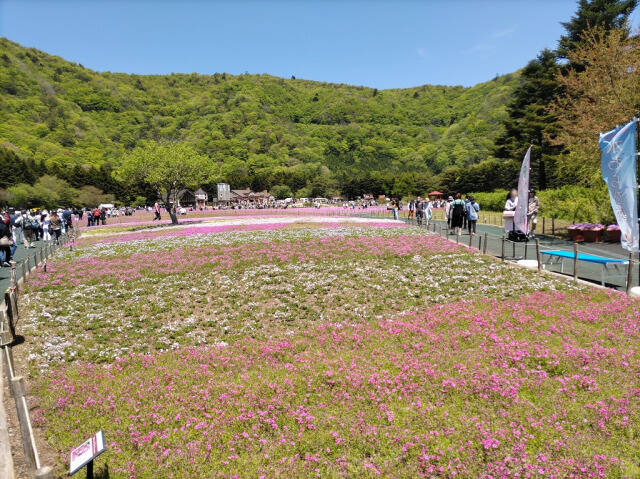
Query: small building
x=189, y=199
x=201, y=198
x=246, y=197
x=186, y=198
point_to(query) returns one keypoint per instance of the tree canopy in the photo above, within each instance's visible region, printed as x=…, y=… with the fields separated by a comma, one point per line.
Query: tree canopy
x=258, y=130
x=167, y=168
x=605, y=15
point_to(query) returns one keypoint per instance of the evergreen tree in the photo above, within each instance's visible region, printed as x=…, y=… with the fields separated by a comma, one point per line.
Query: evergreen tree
x=608, y=14
x=13, y=169
x=529, y=119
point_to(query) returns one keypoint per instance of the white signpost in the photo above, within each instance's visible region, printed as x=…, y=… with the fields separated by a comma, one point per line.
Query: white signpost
x=85, y=453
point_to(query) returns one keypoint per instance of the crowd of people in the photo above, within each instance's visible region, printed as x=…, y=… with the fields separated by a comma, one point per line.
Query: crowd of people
x=462, y=212
x=30, y=226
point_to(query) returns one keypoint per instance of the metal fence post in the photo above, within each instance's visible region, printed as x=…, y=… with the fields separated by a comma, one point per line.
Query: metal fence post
x=538, y=254
x=575, y=261
x=502, y=255
x=486, y=240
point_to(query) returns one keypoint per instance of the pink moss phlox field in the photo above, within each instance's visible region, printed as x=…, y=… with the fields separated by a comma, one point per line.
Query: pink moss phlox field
x=188, y=231
x=546, y=385
x=144, y=217
x=213, y=229
x=180, y=260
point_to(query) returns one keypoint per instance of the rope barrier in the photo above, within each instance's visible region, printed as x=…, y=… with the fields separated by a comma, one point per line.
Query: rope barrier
x=8, y=320
x=501, y=244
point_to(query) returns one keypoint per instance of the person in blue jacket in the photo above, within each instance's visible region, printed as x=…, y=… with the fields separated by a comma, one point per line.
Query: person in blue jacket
x=472, y=208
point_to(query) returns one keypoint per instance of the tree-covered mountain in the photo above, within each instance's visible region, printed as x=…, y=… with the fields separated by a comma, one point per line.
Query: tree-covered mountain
x=260, y=131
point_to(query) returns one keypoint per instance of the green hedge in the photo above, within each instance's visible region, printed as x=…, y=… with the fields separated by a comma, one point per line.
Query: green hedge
x=571, y=203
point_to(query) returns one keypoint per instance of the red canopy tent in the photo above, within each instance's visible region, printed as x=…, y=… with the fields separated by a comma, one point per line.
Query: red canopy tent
x=436, y=194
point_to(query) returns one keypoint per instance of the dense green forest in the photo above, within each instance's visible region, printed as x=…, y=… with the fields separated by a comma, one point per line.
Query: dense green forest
x=260, y=131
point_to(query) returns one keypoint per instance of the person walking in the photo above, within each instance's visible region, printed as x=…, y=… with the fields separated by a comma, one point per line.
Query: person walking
x=17, y=222
x=464, y=217
x=55, y=224
x=428, y=212
x=96, y=216
x=38, y=232
x=457, y=214
x=412, y=209
x=419, y=211
x=447, y=211
x=103, y=216
x=89, y=218
x=29, y=226
x=7, y=245
x=46, y=231
x=394, y=208
x=67, y=219
x=156, y=210
x=472, y=208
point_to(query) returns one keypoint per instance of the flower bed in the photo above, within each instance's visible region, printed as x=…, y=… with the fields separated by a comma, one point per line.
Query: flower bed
x=613, y=234
x=469, y=388
x=328, y=350
x=587, y=232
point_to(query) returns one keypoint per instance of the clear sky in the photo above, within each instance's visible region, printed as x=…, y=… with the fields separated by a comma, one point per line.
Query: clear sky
x=383, y=44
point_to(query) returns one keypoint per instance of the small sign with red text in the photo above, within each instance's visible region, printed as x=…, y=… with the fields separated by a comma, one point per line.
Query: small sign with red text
x=86, y=452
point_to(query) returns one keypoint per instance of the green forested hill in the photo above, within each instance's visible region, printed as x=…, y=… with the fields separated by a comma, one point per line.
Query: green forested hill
x=260, y=130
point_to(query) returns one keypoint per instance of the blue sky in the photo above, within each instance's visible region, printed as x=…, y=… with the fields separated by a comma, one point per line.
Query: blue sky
x=382, y=44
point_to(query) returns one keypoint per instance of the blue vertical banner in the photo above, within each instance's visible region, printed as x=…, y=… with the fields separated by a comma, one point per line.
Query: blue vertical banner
x=619, y=172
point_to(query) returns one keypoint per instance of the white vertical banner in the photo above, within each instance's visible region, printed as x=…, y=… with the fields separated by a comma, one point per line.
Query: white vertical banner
x=619, y=172
x=520, y=219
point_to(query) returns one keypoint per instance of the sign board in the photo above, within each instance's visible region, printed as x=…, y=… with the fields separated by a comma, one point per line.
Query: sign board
x=86, y=452
x=224, y=192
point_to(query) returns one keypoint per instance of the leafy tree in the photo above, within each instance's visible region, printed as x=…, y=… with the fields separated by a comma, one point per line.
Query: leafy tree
x=47, y=192
x=281, y=192
x=90, y=197
x=168, y=168
x=139, y=201
x=21, y=196
x=304, y=192
x=605, y=93
x=52, y=192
